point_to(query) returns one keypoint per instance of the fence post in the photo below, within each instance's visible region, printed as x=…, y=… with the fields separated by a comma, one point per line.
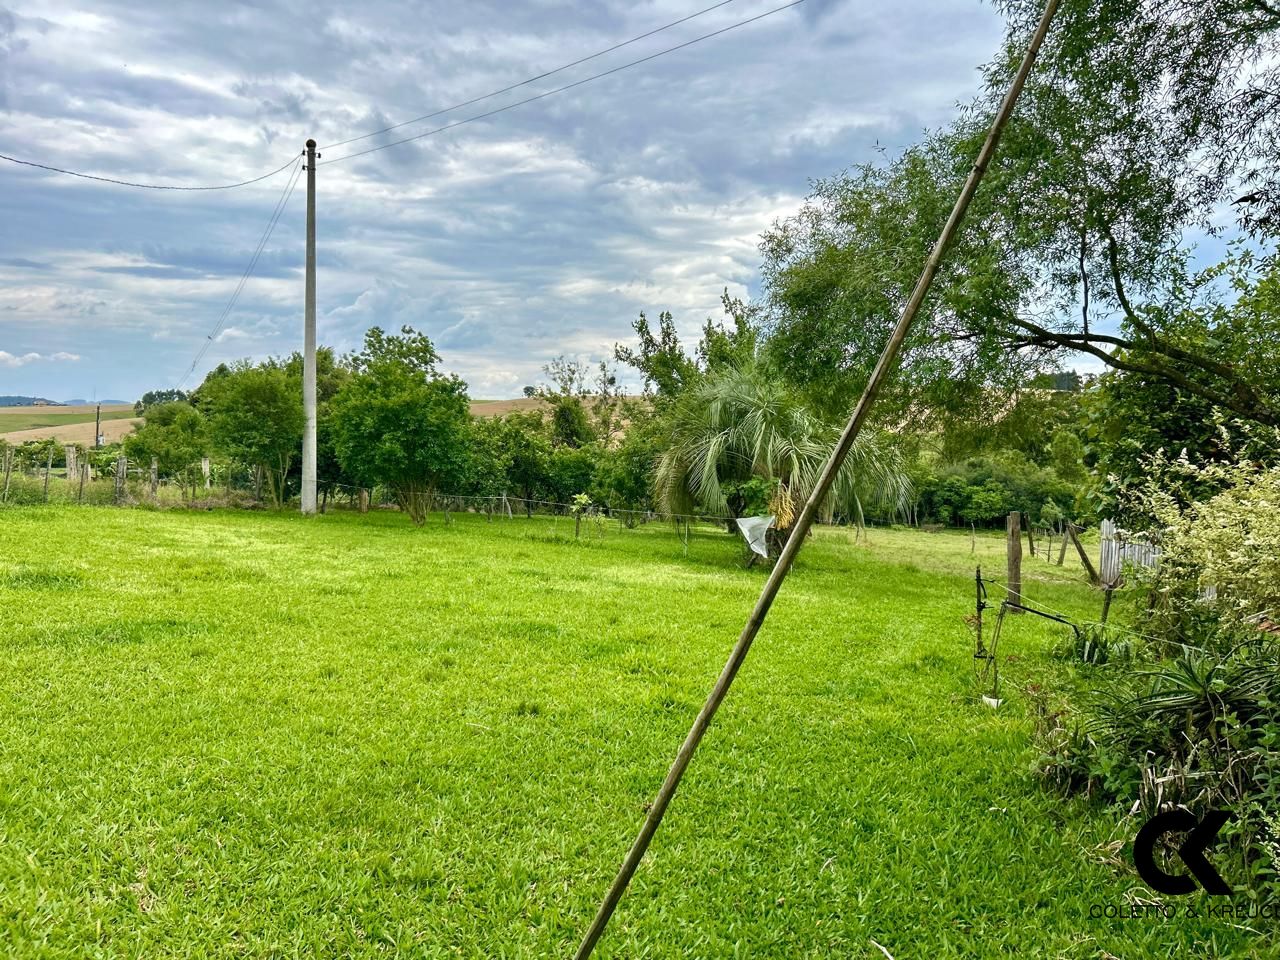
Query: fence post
x=155, y=478
x=1062, y=549
x=204, y=469
x=48, y=468
x=69, y=451
x=122, y=467
x=8, y=469
x=1074, y=534
x=364, y=500
x=84, y=475
x=1014, y=531
x=1031, y=540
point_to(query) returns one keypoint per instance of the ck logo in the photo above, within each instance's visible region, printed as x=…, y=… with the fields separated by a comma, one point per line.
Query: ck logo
x=1200, y=834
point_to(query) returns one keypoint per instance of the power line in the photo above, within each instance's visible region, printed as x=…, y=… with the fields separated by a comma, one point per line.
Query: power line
x=276, y=213
x=541, y=76
x=567, y=86
x=143, y=186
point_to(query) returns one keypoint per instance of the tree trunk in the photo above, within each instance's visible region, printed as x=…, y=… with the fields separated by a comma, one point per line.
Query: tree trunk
x=1084, y=557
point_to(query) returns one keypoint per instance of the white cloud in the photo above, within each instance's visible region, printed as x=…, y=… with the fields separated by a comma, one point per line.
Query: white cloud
x=21, y=360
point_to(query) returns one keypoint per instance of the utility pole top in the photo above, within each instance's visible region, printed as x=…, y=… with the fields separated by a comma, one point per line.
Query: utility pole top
x=311, y=144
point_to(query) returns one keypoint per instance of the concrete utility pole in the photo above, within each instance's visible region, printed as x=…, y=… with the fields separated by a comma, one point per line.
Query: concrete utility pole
x=97, y=427
x=309, y=345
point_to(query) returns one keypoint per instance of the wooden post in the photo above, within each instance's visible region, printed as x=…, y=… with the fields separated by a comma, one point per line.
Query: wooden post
x=204, y=469
x=1062, y=548
x=1014, y=530
x=155, y=478
x=84, y=475
x=883, y=369
x=1074, y=534
x=48, y=468
x=8, y=469
x=69, y=453
x=1106, y=601
x=973, y=539
x=364, y=500
x=122, y=468
x=1031, y=540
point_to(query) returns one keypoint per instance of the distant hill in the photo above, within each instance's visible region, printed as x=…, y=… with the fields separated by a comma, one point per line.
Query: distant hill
x=28, y=402
x=90, y=403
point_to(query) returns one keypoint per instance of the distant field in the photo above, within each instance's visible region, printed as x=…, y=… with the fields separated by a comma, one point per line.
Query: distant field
x=14, y=419
x=500, y=408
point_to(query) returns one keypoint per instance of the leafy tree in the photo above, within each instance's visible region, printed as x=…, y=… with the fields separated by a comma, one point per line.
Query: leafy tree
x=570, y=471
x=401, y=422
x=255, y=415
x=985, y=503
x=1073, y=243
x=526, y=449
x=666, y=367
x=153, y=397
x=177, y=436
x=624, y=473
x=1067, y=455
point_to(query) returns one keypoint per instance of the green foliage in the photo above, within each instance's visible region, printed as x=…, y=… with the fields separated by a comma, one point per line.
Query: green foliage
x=624, y=473
x=155, y=397
x=177, y=436
x=742, y=422
x=983, y=490
x=1198, y=725
x=254, y=413
x=400, y=422
x=668, y=370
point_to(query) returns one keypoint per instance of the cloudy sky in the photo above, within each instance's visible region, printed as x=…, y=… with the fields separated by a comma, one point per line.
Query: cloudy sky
x=539, y=231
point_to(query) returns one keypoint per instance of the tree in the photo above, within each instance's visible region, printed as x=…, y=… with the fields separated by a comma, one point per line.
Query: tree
x=624, y=473
x=153, y=397
x=177, y=436
x=526, y=449
x=743, y=422
x=401, y=422
x=1074, y=242
x=255, y=416
x=668, y=370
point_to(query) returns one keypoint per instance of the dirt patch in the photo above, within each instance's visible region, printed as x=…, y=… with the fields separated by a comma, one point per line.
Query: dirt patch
x=81, y=433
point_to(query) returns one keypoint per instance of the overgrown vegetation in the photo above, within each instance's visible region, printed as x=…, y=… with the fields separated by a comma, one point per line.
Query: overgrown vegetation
x=1190, y=715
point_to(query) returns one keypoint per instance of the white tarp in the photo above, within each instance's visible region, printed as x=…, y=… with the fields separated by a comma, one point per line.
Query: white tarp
x=754, y=529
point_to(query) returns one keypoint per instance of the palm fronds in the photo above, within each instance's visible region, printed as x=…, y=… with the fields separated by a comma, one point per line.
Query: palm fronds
x=741, y=423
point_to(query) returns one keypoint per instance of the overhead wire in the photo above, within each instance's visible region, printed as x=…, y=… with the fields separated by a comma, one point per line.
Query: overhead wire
x=143, y=186
x=274, y=219
x=567, y=86
x=534, y=79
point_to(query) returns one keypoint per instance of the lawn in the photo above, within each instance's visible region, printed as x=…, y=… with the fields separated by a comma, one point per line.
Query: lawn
x=249, y=735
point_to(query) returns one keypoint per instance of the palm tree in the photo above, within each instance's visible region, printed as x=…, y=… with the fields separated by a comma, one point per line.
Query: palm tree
x=742, y=422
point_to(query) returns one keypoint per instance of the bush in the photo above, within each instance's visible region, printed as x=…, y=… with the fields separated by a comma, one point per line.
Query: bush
x=1199, y=725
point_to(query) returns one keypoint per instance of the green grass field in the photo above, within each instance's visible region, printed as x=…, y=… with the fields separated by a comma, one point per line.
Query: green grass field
x=250, y=735
x=31, y=418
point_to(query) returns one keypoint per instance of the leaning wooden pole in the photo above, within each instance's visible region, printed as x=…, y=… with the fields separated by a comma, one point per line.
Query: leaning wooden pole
x=884, y=367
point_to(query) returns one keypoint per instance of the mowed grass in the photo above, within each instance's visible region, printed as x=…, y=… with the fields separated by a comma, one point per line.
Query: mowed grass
x=253, y=735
